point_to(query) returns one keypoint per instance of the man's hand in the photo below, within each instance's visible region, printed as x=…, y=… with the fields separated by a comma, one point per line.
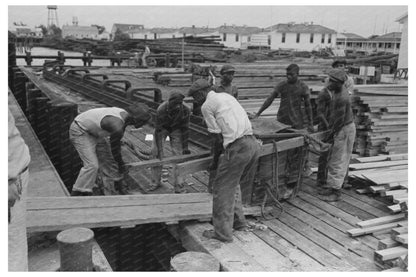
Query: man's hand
x=14, y=195
x=186, y=152
x=253, y=115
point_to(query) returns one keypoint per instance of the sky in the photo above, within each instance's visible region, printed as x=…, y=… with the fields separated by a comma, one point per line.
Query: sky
x=362, y=20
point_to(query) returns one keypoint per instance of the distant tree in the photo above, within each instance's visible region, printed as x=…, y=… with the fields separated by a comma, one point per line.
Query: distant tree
x=119, y=35
x=100, y=28
x=44, y=29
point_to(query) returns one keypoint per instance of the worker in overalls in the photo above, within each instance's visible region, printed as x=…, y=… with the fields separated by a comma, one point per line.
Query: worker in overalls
x=341, y=135
x=232, y=135
x=172, y=120
x=227, y=76
x=96, y=135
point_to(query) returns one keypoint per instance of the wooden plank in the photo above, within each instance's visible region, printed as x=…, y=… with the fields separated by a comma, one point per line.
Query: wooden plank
x=382, y=158
x=387, y=177
x=303, y=243
x=369, y=230
x=395, y=193
x=381, y=220
x=322, y=238
x=387, y=243
x=361, y=166
x=231, y=257
x=174, y=159
x=403, y=239
x=395, y=208
x=390, y=253
x=394, y=269
x=398, y=231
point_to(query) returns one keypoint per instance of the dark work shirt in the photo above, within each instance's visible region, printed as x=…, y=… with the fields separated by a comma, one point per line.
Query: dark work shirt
x=230, y=89
x=292, y=97
x=170, y=123
x=322, y=110
x=340, y=111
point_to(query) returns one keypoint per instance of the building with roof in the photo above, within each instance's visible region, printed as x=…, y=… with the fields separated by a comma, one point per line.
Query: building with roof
x=301, y=37
x=198, y=31
x=80, y=32
x=402, y=64
x=389, y=42
x=237, y=36
x=25, y=31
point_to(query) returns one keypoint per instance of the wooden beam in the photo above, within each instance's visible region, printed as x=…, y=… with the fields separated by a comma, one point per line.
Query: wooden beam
x=361, y=166
x=403, y=238
x=386, y=243
x=390, y=253
x=174, y=159
x=369, y=230
x=381, y=220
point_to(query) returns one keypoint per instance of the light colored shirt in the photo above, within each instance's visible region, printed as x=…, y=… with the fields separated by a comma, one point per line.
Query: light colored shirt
x=90, y=120
x=223, y=114
x=19, y=156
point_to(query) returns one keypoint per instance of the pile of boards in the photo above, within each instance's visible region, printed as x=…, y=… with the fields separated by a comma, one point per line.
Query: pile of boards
x=381, y=118
x=392, y=249
x=384, y=175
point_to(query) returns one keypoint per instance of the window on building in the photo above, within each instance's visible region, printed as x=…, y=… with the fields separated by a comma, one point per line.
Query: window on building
x=380, y=45
x=323, y=38
x=297, y=37
x=329, y=38
x=398, y=45
x=224, y=37
x=388, y=45
x=283, y=37
x=349, y=44
x=269, y=40
x=155, y=36
x=248, y=38
x=236, y=37
x=311, y=38
x=173, y=36
x=184, y=35
x=145, y=36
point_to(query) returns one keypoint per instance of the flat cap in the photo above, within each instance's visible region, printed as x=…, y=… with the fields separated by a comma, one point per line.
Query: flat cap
x=139, y=110
x=198, y=85
x=227, y=68
x=176, y=96
x=293, y=67
x=338, y=62
x=337, y=75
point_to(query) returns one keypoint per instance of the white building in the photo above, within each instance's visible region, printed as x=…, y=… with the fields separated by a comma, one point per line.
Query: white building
x=403, y=53
x=302, y=37
x=80, y=32
x=198, y=31
x=237, y=36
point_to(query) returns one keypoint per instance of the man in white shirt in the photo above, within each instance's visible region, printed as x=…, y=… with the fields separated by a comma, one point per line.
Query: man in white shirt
x=230, y=128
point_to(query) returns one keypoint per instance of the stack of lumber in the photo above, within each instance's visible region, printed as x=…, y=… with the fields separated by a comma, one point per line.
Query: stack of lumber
x=384, y=175
x=392, y=249
x=381, y=119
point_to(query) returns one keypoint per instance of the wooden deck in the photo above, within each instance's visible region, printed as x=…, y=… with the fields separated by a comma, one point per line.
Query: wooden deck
x=311, y=235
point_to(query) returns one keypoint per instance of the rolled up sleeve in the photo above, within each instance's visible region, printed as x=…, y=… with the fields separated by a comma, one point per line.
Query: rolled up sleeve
x=209, y=118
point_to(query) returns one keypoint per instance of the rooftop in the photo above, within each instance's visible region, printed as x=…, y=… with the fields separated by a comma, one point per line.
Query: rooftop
x=301, y=28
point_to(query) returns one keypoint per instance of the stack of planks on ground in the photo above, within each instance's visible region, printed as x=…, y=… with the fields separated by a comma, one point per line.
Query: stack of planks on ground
x=392, y=249
x=381, y=119
x=384, y=175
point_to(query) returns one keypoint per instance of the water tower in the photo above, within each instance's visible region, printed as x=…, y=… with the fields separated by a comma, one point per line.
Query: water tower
x=52, y=16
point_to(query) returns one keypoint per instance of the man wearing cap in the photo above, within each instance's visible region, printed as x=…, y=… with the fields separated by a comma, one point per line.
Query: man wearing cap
x=341, y=134
x=293, y=94
x=96, y=134
x=231, y=132
x=349, y=83
x=227, y=76
x=172, y=119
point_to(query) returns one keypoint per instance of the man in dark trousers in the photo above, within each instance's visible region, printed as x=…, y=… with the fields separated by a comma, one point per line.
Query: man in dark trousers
x=227, y=76
x=96, y=135
x=232, y=134
x=172, y=119
x=341, y=134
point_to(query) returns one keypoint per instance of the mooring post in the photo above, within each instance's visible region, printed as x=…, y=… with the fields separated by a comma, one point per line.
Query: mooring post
x=194, y=261
x=75, y=249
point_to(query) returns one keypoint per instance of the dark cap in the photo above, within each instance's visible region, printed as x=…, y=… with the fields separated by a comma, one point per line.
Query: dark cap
x=198, y=85
x=176, y=96
x=139, y=110
x=337, y=75
x=337, y=62
x=293, y=67
x=227, y=68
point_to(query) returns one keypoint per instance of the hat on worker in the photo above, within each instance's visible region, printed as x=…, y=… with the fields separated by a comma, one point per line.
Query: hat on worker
x=139, y=111
x=293, y=67
x=227, y=68
x=337, y=75
x=338, y=62
x=176, y=96
x=198, y=85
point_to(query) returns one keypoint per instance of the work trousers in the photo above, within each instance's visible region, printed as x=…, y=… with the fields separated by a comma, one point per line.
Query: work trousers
x=96, y=157
x=339, y=156
x=17, y=227
x=175, y=139
x=237, y=164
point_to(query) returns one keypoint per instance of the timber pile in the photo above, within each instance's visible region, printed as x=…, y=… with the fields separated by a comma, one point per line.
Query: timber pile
x=392, y=248
x=381, y=120
x=385, y=176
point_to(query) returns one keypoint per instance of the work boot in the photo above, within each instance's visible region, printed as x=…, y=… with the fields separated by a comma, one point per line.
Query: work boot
x=329, y=194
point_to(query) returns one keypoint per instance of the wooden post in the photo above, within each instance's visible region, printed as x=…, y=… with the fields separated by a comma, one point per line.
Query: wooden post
x=75, y=249
x=194, y=261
